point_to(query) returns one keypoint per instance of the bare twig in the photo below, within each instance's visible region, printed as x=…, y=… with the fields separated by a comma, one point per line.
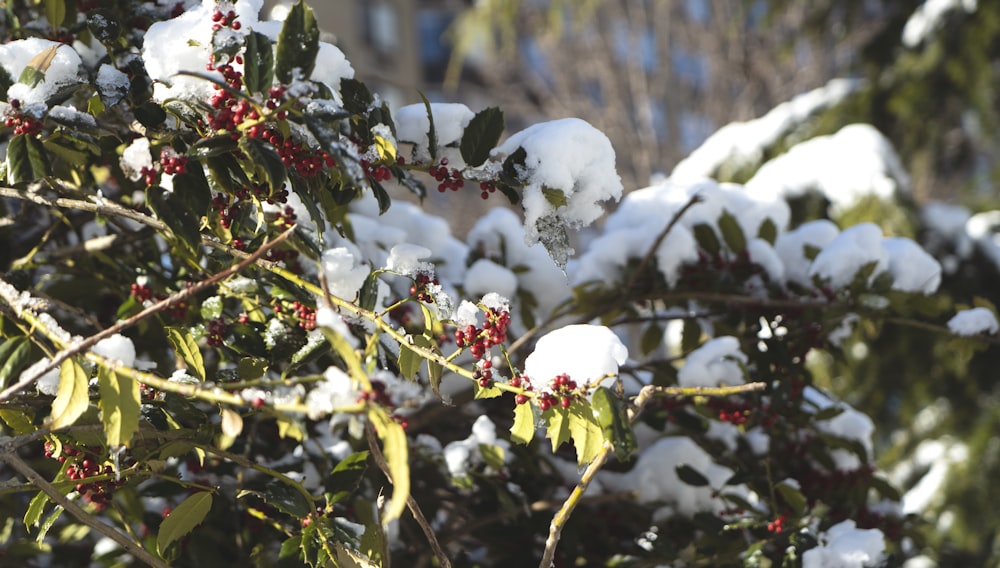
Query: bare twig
x=129, y=322
x=418, y=515
x=9, y=455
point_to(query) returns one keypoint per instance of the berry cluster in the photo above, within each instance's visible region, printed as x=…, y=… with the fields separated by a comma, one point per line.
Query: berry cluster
x=521, y=381
x=734, y=412
x=378, y=173
x=562, y=393
x=22, y=123
x=216, y=332
x=172, y=162
x=484, y=374
x=306, y=315
x=227, y=20
x=777, y=526
x=140, y=292
x=447, y=178
x=487, y=188
x=493, y=332
x=419, y=287
x=83, y=468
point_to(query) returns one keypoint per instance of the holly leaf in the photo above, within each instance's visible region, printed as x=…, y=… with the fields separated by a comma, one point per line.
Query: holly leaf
x=588, y=437
x=558, y=426
x=346, y=477
x=432, y=144
x=613, y=419
x=706, y=238
x=183, y=519
x=792, y=497
x=481, y=136
x=523, y=429
x=258, y=63
x=298, y=44
x=396, y=452
x=691, y=476
x=34, y=72
x=71, y=399
x=732, y=233
x=27, y=159
x=14, y=354
x=652, y=338
x=264, y=161
x=555, y=197
x=119, y=404
x=187, y=349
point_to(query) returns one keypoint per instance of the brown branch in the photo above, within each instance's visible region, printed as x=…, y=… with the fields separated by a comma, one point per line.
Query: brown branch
x=147, y=312
x=411, y=503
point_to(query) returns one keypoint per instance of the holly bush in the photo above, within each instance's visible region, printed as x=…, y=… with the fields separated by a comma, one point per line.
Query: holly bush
x=230, y=333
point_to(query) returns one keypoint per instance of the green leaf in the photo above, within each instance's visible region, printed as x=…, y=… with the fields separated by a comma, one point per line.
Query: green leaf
x=768, y=231
x=555, y=197
x=613, y=419
x=104, y=25
x=27, y=159
x=481, y=136
x=557, y=419
x=381, y=196
x=184, y=223
x=357, y=98
x=346, y=476
x=187, y=349
x=707, y=239
x=523, y=429
x=35, y=509
x=792, y=497
x=691, y=476
x=732, y=233
x=396, y=452
x=18, y=420
x=250, y=368
x=432, y=142
x=690, y=336
x=287, y=499
x=483, y=393
x=119, y=404
x=149, y=114
x=14, y=354
x=493, y=456
x=183, y=519
x=434, y=373
x=588, y=437
x=828, y=413
x=265, y=161
x=652, y=338
x=885, y=489
x=55, y=12
x=213, y=146
x=298, y=44
x=409, y=361
x=72, y=399
x=369, y=291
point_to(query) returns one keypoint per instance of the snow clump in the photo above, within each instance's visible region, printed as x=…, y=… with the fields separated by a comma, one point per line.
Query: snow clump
x=586, y=353
x=845, y=546
x=974, y=322
x=716, y=363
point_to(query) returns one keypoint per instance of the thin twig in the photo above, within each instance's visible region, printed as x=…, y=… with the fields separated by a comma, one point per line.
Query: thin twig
x=418, y=515
x=178, y=296
x=72, y=508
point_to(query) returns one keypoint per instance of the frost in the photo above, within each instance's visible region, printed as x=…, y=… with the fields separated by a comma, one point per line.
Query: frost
x=568, y=171
x=974, y=322
x=716, y=363
x=587, y=353
x=846, y=546
x=343, y=276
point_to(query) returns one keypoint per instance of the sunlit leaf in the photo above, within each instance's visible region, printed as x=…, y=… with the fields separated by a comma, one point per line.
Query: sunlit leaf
x=183, y=519
x=71, y=399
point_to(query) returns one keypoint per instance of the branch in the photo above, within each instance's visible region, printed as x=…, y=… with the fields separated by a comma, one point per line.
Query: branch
x=411, y=503
x=644, y=396
x=16, y=304
x=10, y=456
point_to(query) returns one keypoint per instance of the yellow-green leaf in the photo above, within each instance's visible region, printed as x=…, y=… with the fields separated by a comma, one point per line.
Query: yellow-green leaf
x=35, y=509
x=792, y=497
x=396, y=453
x=119, y=404
x=588, y=438
x=183, y=519
x=558, y=426
x=523, y=429
x=71, y=399
x=187, y=349
x=232, y=423
x=610, y=412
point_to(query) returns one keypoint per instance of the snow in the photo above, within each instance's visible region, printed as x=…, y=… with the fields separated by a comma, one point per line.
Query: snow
x=466, y=314
x=850, y=424
x=853, y=163
x=63, y=71
x=460, y=455
x=112, y=83
x=740, y=145
x=336, y=390
x=716, y=363
x=48, y=383
x=116, y=348
x=587, y=353
x=982, y=229
x=485, y=276
x=974, y=321
x=326, y=317
x=344, y=275
x=567, y=156
x=406, y=258
x=136, y=157
x=928, y=17
x=791, y=248
x=846, y=546
x=331, y=66
x=936, y=458
x=912, y=269
x=841, y=259
x=412, y=125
